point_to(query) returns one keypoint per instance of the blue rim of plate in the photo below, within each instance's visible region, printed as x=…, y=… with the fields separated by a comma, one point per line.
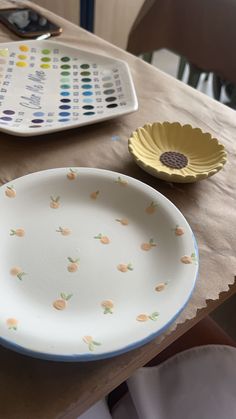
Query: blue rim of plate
x=89, y=357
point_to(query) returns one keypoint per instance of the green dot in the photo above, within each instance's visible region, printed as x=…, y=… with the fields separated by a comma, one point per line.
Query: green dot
x=46, y=51
x=65, y=86
x=65, y=80
x=84, y=66
x=65, y=66
x=85, y=73
x=45, y=59
x=65, y=73
x=65, y=59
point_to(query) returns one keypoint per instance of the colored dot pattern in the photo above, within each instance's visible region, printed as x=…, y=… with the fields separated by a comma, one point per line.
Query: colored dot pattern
x=46, y=51
x=45, y=66
x=83, y=91
x=37, y=121
x=64, y=107
x=24, y=48
x=87, y=100
x=87, y=93
x=65, y=86
x=8, y=112
x=65, y=59
x=86, y=80
x=85, y=73
x=21, y=64
x=38, y=113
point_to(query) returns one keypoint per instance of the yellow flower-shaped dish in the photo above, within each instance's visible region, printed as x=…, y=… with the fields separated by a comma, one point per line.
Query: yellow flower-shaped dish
x=176, y=153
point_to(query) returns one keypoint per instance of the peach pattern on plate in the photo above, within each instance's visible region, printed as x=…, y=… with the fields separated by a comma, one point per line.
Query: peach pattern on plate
x=101, y=266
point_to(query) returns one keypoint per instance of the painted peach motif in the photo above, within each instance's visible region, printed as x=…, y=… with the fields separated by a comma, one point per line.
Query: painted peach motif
x=61, y=303
x=103, y=239
x=94, y=195
x=12, y=323
x=148, y=246
x=142, y=318
x=10, y=192
x=20, y=232
x=189, y=259
x=65, y=231
x=122, y=221
x=73, y=265
x=151, y=208
x=108, y=306
x=145, y=317
x=160, y=287
x=121, y=181
x=91, y=342
x=18, y=272
x=72, y=174
x=55, y=202
x=179, y=231
x=125, y=267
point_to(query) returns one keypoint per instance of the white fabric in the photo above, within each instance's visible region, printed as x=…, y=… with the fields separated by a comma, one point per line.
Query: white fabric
x=199, y=383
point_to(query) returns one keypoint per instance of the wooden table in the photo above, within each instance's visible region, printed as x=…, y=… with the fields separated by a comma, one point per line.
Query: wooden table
x=38, y=389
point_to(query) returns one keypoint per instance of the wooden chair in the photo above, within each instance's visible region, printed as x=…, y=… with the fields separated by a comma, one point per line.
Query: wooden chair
x=200, y=31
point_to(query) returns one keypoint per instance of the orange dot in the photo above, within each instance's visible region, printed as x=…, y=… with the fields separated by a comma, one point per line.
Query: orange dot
x=24, y=48
x=21, y=64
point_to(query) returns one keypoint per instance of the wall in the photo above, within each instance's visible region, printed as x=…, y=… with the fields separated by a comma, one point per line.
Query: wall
x=113, y=18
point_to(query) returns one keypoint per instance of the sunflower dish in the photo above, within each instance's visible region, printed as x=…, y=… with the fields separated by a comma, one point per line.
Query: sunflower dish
x=176, y=153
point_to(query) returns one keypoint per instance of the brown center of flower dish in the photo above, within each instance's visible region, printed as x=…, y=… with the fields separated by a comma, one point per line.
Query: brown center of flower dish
x=174, y=159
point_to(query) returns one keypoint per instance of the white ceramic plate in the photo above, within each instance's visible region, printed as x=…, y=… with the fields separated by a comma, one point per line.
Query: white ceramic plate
x=93, y=264
x=48, y=86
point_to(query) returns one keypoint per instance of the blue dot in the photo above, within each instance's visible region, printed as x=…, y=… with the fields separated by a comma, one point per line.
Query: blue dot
x=88, y=107
x=65, y=100
x=86, y=86
x=37, y=121
x=88, y=100
x=89, y=113
x=6, y=118
x=9, y=112
x=64, y=107
x=38, y=113
x=65, y=93
x=64, y=120
x=87, y=93
x=64, y=113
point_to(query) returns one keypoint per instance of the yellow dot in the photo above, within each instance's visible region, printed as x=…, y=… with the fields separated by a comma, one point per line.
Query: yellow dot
x=45, y=66
x=21, y=64
x=4, y=52
x=24, y=48
x=22, y=57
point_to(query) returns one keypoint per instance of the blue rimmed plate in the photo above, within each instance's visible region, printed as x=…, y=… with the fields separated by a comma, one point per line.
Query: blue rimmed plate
x=94, y=264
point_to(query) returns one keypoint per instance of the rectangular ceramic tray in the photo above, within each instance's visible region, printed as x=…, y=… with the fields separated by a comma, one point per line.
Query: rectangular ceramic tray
x=47, y=86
